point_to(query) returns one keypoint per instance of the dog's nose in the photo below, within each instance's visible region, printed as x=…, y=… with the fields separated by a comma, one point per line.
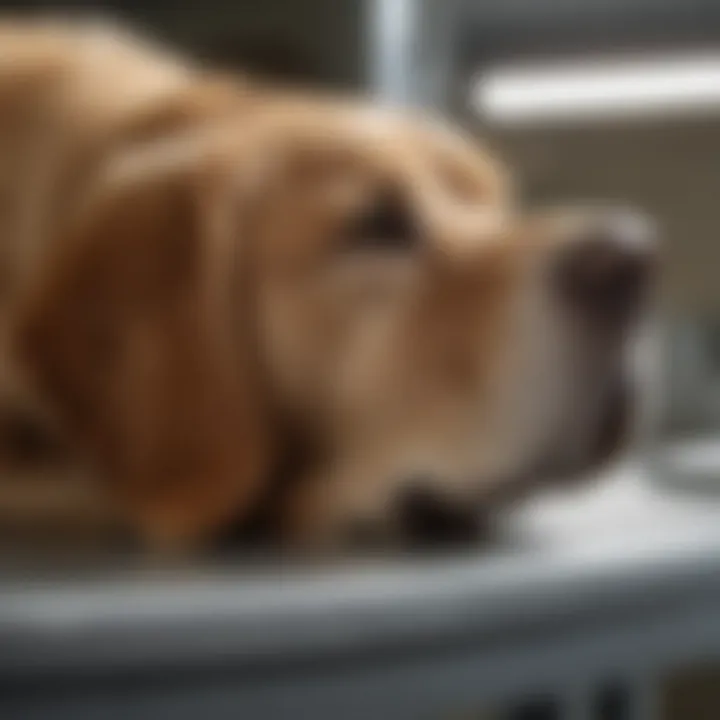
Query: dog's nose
x=605, y=271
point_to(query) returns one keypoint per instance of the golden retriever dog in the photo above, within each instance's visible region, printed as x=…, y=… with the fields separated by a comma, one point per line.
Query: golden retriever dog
x=221, y=302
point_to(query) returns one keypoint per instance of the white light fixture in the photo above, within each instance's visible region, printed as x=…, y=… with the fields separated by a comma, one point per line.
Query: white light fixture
x=576, y=91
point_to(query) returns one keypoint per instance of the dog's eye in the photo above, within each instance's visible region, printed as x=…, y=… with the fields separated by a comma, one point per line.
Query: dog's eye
x=386, y=224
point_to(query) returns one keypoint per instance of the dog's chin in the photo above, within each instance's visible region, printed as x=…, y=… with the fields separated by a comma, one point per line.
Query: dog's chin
x=614, y=429
x=430, y=520
x=609, y=438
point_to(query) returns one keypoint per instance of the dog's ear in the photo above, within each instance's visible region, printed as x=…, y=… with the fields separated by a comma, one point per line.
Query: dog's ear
x=141, y=335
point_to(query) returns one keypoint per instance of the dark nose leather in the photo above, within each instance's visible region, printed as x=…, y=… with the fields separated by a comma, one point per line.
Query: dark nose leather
x=604, y=274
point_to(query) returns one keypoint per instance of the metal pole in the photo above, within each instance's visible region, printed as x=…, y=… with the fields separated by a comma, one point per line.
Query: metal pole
x=392, y=36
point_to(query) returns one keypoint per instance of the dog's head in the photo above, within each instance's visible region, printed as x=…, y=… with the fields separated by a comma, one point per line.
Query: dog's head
x=351, y=283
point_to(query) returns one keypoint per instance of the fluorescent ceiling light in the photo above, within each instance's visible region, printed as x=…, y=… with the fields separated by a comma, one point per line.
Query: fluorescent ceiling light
x=599, y=90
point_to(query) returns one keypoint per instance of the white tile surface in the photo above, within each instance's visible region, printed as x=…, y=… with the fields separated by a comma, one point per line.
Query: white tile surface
x=612, y=513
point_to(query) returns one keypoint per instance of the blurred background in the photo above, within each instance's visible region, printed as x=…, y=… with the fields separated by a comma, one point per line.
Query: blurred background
x=602, y=99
